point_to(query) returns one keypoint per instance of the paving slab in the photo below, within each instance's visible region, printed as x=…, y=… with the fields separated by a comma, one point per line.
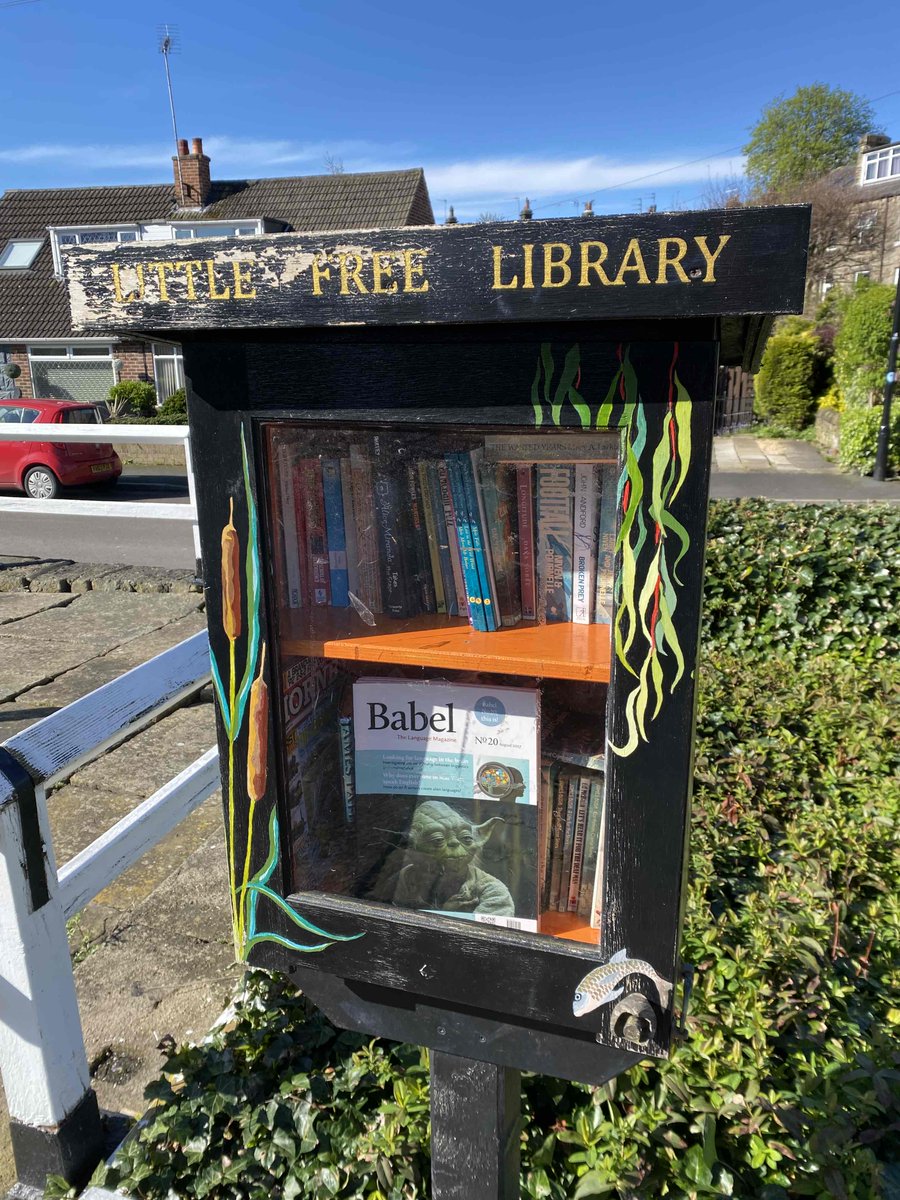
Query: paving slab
x=16, y=605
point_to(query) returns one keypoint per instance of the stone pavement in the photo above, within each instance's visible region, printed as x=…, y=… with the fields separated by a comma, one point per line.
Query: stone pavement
x=153, y=952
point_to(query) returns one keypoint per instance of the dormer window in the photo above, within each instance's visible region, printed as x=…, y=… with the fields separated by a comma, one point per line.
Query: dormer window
x=19, y=254
x=881, y=164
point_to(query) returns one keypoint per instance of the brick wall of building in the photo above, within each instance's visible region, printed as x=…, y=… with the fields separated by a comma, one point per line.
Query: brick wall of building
x=136, y=359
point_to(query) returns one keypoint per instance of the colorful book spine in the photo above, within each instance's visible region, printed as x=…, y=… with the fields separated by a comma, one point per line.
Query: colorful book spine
x=453, y=540
x=554, y=541
x=309, y=490
x=334, y=528
x=596, y=901
x=606, y=547
x=448, y=578
x=568, y=845
x=559, y=794
x=527, y=565
x=350, y=529
x=581, y=813
x=471, y=465
x=370, y=590
x=415, y=545
x=348, y=791
x=592, y=838
x=498, y=491
x=471, y=579
x=398, y=600
x=291, y=542
x=432, y=534
x=584, y=543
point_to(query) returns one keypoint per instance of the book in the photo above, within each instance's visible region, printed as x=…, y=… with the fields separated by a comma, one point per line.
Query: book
x=293, y=578
x=453, y=545
x=562, y=903
x=463, y=524
x=415, y=546
x=350, y=529
x=606, y=548
x=370, y=591
x=554, y=524
x=430, y=518
x=398, y=597
x=592, y=847
x=581, y=814
x=334, y=528
x=498, y=491
x=527, y=565
x=471, y=469
x=552, y=447
x=559, y=816
x=584, y=543
x=311, y=503
x=445, y=559
x=451, y=771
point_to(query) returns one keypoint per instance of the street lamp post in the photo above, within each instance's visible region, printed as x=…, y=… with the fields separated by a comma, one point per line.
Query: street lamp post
x=884, y=433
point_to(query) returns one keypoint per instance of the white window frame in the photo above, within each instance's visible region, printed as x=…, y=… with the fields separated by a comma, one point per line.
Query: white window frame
x=169, y=352
x=64, y=352
x=115, y=232
x=198, y=229
x=865, y=274
x=887, y=154
x=37, y=243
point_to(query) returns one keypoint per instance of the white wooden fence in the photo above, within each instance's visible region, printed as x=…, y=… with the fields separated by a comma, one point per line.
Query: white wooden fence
x=53, y=1115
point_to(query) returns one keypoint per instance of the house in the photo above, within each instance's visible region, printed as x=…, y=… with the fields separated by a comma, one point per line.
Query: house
x=872, y=183
x=35, y=328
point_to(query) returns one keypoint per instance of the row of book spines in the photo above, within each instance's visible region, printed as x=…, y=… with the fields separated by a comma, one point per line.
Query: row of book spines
x=573, y=833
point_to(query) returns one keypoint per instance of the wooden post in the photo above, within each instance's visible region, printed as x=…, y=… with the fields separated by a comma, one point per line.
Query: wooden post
x=475, y=1122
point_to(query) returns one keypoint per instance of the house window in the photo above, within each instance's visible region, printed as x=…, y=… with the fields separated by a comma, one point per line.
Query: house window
x=203, y=229
x=881, y=164
x=71, y=235
x=168, y=369
x=19, y=254
x=858, y=275
x=827, y=284
x=83, y=372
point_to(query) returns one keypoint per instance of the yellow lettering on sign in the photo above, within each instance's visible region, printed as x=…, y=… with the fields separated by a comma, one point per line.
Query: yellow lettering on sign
x=632, y=260
x=589, y=264
x=128, y=297
x=189, y=266
x=711, y=255
x=411, y=268
x=161, y=268
x=561, y=264
x=243, y=289
x=528, y=274
x=674, y=261
x=225, y=293
x=319, y=272
x=382, y=269
x=348, y=272
x=498, y=284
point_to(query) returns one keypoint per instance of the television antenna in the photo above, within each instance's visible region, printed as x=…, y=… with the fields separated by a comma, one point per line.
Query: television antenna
x=168, y=38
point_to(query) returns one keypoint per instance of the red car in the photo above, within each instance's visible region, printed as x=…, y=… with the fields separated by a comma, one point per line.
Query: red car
x=41, y=468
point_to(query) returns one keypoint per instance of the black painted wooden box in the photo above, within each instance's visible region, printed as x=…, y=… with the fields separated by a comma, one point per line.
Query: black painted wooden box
x=461, y=467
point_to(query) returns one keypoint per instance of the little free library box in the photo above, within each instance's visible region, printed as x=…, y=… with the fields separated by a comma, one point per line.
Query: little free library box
x=452, y=489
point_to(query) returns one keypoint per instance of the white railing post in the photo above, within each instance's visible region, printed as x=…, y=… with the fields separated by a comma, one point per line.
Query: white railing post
x=54, y=1119
x=192, y=498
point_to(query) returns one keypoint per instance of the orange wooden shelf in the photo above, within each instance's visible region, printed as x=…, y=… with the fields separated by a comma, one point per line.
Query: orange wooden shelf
x=558, y=651
x=568, y=925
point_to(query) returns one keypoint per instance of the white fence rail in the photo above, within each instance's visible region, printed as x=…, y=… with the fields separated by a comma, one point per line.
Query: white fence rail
x=54, y=1119
x=159, y=435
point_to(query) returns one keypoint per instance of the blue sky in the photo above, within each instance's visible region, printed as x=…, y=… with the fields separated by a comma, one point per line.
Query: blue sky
x=496, y=100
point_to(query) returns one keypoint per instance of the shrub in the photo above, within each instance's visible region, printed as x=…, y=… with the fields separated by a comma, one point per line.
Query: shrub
x=832, y=399
x=861, y=345
x=173, y=410
x=859, y=438
x=789, y=379
x=132, y=396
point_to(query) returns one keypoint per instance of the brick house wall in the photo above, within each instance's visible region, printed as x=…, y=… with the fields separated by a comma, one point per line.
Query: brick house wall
x=136, y=359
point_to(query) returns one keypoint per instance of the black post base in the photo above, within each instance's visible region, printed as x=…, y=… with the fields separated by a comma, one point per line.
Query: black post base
x=71, y=1149
x=475, y=1121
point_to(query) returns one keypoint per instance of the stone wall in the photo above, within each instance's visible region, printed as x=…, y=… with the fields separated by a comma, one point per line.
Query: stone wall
x=828, y=429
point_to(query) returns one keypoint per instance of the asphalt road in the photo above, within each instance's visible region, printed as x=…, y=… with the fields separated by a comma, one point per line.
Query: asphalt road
x=128, y=542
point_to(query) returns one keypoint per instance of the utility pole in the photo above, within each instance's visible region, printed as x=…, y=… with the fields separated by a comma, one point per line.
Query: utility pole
x=884, y=433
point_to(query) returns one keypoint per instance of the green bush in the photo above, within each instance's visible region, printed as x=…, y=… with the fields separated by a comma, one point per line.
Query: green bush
x=861, y=345
x=859, y=438
x=133, y=396
x=789, y=379
x=173, y=410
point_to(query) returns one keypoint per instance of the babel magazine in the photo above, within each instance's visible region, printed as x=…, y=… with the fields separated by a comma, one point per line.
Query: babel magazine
x=446, y=784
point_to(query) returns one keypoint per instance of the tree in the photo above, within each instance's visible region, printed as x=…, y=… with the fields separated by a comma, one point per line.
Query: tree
x=806, y=135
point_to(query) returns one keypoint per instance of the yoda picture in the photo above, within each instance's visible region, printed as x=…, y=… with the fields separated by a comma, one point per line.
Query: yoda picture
x=440, y=867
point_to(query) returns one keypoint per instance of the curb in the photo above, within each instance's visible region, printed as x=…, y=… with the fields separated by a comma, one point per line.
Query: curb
x=63, y=575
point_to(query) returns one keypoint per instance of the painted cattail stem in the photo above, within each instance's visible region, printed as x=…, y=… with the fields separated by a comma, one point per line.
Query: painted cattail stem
x=231, y=579
x=258, y=737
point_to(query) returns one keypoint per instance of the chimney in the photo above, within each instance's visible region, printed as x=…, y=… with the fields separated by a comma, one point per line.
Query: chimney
x=192, y=184
x=873, y=141
x=526, y=214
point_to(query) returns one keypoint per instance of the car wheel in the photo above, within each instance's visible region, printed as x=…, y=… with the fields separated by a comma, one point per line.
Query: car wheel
x=41, y=484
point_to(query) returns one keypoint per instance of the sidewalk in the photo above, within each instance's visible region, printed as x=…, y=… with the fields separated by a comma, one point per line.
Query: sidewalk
x=153, y=951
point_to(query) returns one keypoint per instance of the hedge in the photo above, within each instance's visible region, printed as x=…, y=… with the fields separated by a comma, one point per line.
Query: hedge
x=790, y=377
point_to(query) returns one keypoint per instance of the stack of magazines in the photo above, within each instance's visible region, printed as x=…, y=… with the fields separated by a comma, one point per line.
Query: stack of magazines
x=505, y=532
